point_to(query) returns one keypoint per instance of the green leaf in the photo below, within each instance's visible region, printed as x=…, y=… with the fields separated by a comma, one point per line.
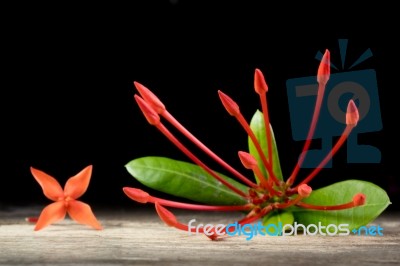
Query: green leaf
x=184, y=180
x=278, y=217
x=342, y=192
x=258, y=126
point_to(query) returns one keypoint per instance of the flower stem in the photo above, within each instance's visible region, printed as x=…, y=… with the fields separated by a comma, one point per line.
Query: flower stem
x=322, y=78
x=264, y=107
x=154, y=119
x=329, y=156
x=170, y=219
x=159, y=108
x=177, y=143
x=358, y=200
x=204, y=148
x=352, y=117
x=292, y=178
x=143, y=197
x=233, y=110
x=261, y=88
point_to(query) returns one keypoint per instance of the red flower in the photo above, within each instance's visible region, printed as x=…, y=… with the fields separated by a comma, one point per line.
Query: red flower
x=269, y=193
x=65, y=200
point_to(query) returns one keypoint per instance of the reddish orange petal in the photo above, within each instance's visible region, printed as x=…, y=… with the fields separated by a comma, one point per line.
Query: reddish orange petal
x=229, y=104
x=51, y=188
x=150, y=98
x=137, y=194
x=165, y=215
x=247, y=160
x=82, y=213
x=260, y=85
x=324, y=69
x=352, y=115
x=52, y=213
x=150, y=114
x=77, y=185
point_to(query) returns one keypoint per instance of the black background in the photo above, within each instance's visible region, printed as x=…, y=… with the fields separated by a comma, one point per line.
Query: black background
x=67, y=92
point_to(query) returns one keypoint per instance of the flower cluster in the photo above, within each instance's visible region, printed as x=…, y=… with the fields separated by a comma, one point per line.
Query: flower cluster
x=269, y=192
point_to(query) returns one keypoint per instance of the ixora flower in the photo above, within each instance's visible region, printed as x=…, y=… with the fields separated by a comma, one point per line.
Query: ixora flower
x=269, y=197
x=65, y=200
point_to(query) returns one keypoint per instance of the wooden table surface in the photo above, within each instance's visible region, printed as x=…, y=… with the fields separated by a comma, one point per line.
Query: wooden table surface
x=137, y=237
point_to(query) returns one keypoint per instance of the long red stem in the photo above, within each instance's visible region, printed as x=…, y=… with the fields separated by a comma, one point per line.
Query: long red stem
x=154, y=119
x=233, y=109
x=141, y=196
x=358, y=200
x=254, y=217
x=329, y=156
x=199, y=207
x=159, y=107
x=267, y=185
x=264, y=107
x=261, y=88
x=292, y=178
x=188, y=153
x=352, y=117
x=204, y=148
x=322, y=78
x=170, y=219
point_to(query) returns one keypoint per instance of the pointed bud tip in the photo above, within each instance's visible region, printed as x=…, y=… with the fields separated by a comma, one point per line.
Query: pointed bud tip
x=247, y=160
x=352, y=115
x=260, y=85
x=304, y=190
x=152, y=117
x=324, y=69
x=229, y=104
x=137, y=84
x=150, y=97
x=33, y=169
x=136, y=194
x=359, y=199
x=165, y=215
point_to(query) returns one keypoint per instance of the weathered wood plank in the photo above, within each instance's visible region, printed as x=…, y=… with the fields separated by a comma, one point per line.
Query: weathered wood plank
x=138, y=237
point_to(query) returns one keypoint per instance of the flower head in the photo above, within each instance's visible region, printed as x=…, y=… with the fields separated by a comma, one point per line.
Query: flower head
x=261, y=198
x=65, y=200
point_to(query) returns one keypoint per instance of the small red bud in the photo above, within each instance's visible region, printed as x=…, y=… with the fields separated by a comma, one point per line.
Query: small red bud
x=150, y=98
x=352, y=115
x=260, y=85
x=359, y=199
x=247, y=160
x=152, y=117
x=324, y=69
x=136, y=194
x=304, y=190
x=229, y=104
x=165, y=215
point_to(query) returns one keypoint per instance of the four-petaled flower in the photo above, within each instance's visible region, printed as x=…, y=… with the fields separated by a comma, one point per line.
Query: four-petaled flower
x=65, y=199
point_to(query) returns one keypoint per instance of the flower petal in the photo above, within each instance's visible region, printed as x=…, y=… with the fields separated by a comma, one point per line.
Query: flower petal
x=77, y=185
x=52, y=213
x=51, y=188
x=82, y=213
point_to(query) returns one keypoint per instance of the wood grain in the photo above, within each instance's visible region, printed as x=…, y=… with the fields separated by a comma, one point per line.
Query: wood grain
x=138, y=237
